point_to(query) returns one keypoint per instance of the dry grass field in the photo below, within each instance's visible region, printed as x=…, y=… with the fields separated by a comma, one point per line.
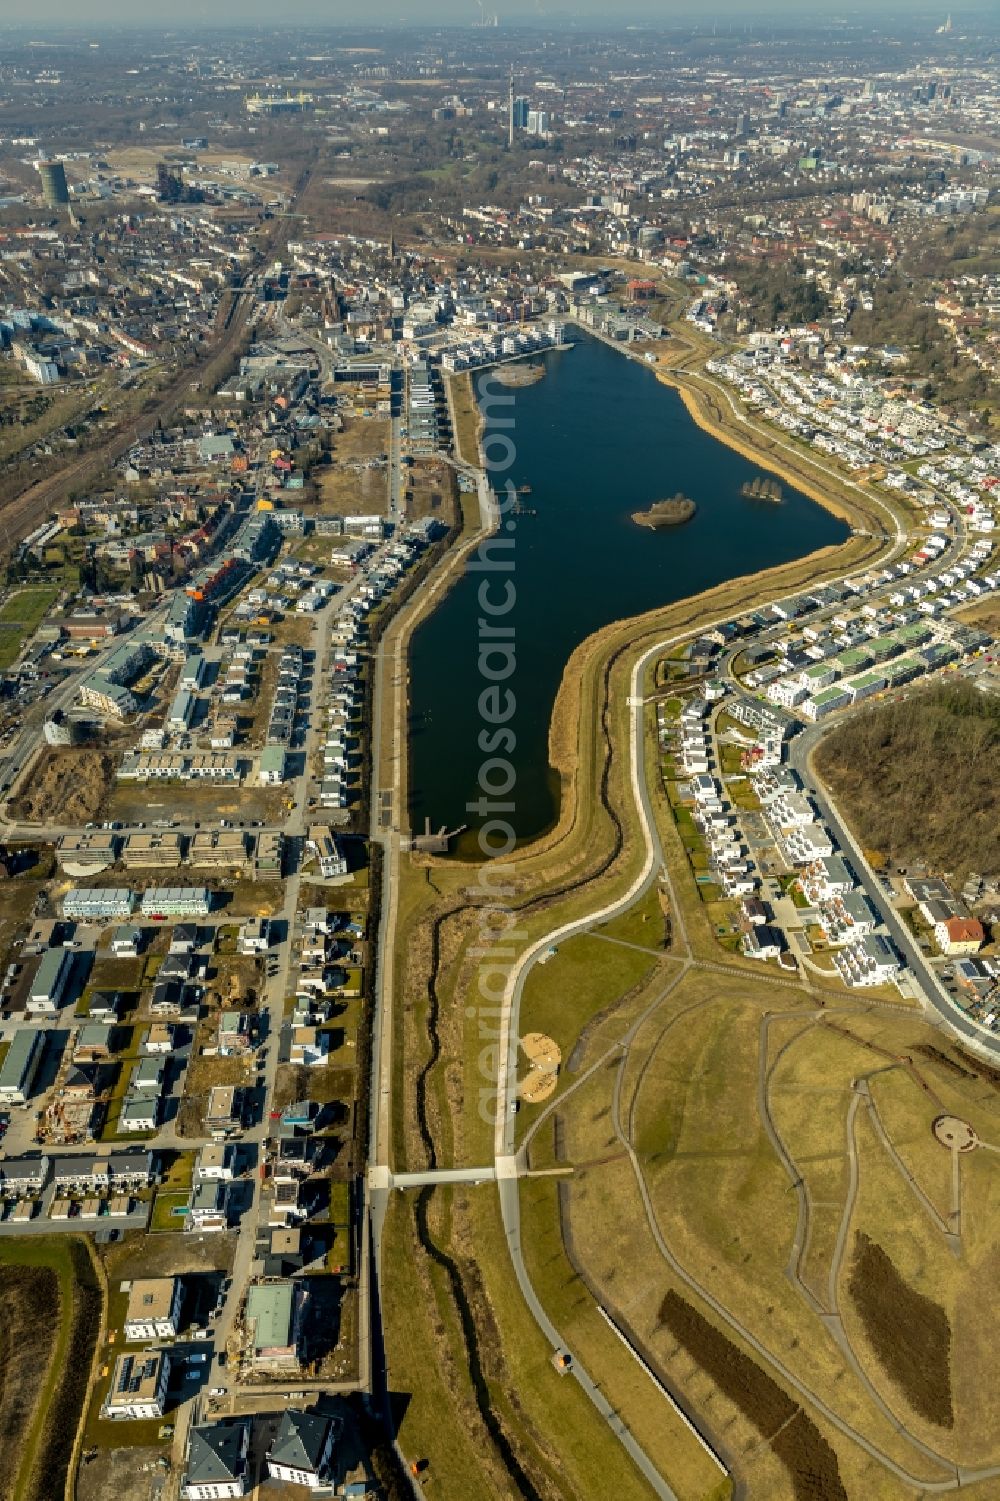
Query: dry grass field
x=725, y=1205
x=186, y=801
x=468, y=420
x=347, y=486
x=27, y=1340
x=432, y=492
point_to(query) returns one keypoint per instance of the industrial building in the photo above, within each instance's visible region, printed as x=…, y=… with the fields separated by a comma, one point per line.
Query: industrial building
x=55, y=189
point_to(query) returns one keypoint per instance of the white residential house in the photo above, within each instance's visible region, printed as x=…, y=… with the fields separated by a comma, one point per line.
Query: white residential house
x=207, y=1207
x=217, y=1162
x=140, y=1113
x=762, y=942
x=217, y=1467
x=870, y=960
x=827, y=877
x=803, y=846
x=159, y=1039
x=127, y=941
x=138, y=1386
x=254, y=936
x=310, y=1048
x=303, y=1449
x=154, y=1308
x=791, y=811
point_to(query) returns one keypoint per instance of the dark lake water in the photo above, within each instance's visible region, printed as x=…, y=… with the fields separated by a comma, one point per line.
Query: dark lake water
x=598, y=438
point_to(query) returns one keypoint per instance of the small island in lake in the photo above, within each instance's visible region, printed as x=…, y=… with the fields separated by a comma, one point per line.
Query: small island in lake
x=519, y=374
x=672, y=512
x=762, y=488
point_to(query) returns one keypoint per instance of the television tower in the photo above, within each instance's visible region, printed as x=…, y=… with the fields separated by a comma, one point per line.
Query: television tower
x=510, y=113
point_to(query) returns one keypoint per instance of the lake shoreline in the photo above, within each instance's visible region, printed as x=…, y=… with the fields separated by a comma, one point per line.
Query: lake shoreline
x=597, y=444
x=693, y=400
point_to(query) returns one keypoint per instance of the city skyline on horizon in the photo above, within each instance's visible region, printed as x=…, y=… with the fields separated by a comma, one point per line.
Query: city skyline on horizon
x=336, y=14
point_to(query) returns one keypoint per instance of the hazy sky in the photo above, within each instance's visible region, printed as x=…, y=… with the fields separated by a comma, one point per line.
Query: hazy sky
x=172, y=13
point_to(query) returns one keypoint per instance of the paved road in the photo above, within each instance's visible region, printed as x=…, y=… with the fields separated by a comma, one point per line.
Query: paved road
x=433, y=1177
x=510, y=1211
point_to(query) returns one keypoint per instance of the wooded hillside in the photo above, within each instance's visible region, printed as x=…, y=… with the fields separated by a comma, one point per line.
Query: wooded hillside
x=920, y=779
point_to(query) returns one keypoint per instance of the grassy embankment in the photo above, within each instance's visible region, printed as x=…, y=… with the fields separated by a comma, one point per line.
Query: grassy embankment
x=574, y=869
x=468, y=419
x=707, y=402
x=50, y=1316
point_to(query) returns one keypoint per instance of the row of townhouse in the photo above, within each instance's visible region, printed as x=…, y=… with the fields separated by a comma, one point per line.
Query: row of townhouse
x=344, y=702
x=284, y=704
x=716, y=819
x=381, y=575
x=696, y=739
x=791, y=817
x=114, y=903
x=115, y=1173
x=167, y=766
x=471, y=354
x=862, y=956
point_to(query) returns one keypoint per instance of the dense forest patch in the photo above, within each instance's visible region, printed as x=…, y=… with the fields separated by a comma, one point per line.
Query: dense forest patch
x=790, y=1431
x=910, y=1333
x=918, y=780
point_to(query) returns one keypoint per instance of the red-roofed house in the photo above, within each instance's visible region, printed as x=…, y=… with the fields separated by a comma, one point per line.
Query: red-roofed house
x=959, y=935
